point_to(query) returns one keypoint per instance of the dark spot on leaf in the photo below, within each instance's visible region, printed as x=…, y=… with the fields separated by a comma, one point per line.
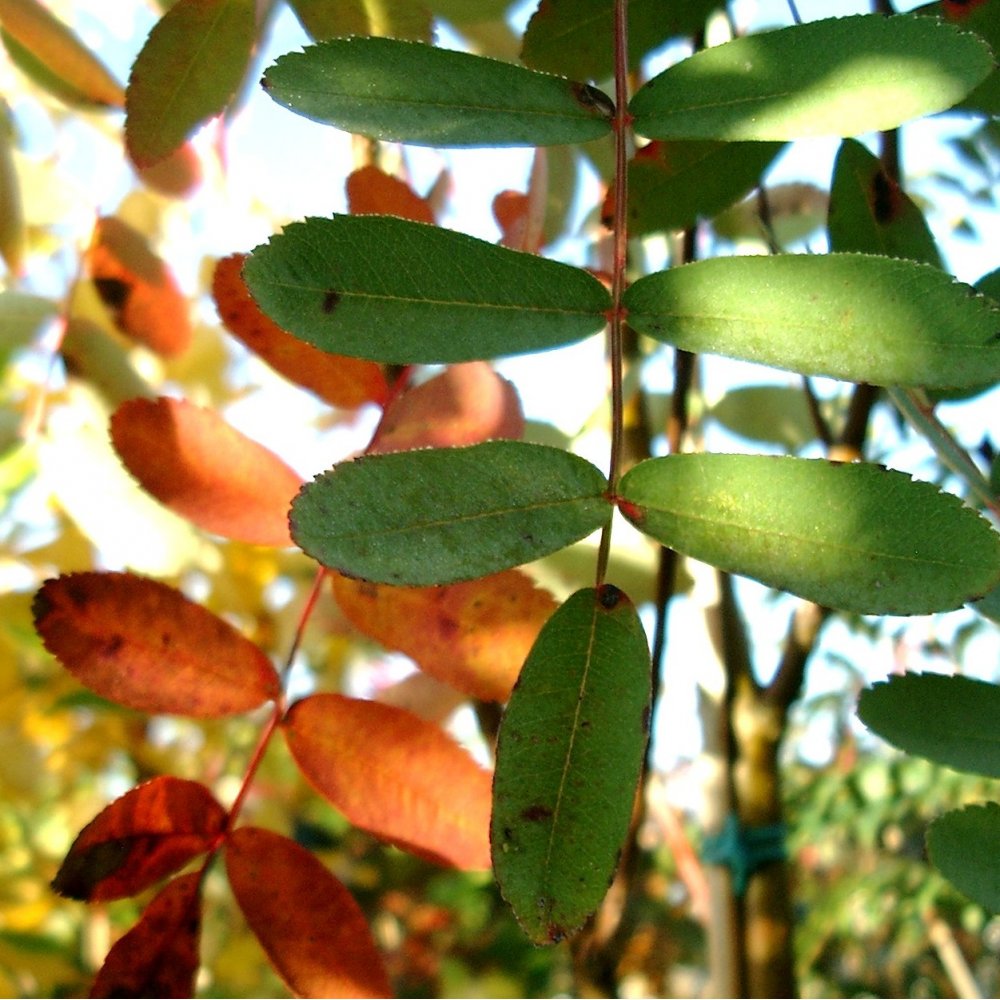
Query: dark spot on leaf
x=330, y=300
x=83, y=871
x=609, y=596
x=114, y=293
x=113, y=644
x=536, y=813
x=886, y=200
x=593, y=99
x=555, y=933
x=632, y=511
x=645, y=718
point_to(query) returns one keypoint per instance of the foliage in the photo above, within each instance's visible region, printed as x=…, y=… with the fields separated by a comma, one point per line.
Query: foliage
x=423, y=538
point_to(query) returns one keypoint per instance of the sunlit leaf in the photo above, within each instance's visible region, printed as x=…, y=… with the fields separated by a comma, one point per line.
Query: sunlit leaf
x=159, y=956
x=138, y=288
x=473, y=636
x=839, y=76
x=313, y=931
x=394, y=775
x=78, y=76
x=193, y=462
x=391, y=18
x=12, y=228
x=144, y=645
x=850, y=316
x=450, y=514
x=189, y=69
x=410, y=92
x=465, y=404
x=851, y=536
x=870, y=212
x=148, y=833
x=948, y=720
x=392, y=290
x=371, y=191
x=341, y=381
x=672, y=185
x=568, y=760
x=964, y=845
x=102, y=361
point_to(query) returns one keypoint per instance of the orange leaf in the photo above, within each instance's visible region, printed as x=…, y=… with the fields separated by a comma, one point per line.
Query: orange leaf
x=145, y=645
x=140, y=838
x=159, y=956
x=465, y=404
x=395, y=776
x=521, y=215
x=371, y=191
x=176, y=175
x=340, y=381
x=474, y=636
x=138, y=288
x=310, y=926
x=193, y=462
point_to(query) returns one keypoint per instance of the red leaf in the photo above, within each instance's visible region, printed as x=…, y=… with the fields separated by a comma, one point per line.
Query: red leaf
x=371, y=191
x=138, y=288
x=145, y=645
x=147, y=834
x=474, y=636
x=340, y=381
x=159, y=956
x=310, y=926
x=465, y=404
x=394, y=775
x=193, y=462
x=959, y=10
x=521, y=215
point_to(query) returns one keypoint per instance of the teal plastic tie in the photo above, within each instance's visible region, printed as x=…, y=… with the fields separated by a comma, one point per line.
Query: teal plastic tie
x=744, y=850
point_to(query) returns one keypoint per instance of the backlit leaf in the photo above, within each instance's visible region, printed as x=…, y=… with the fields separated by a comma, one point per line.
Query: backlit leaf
x=948, y=720
x=839, y=76
x=159, y=956
x=176, y=175
x=371, y=191
x=392, y=290
x=773, y=414
x=313, y=931
x=473, y=635
x=444, y=515
x=392, y=18
x=78, y=75
x=144, y=645
x=465, y=404
x=340, y=381
x=394, y=775
x=101, y=359
x=964, y=845
x=410, y=92
x=870, y=212
x=851, y=536
x=138, y=288
x=189, y=69
x=193, y=462
x=22, y=317
x=850, y=316
x=672, y=185
x=12, y=228
x=568, y=760
x=146, y=834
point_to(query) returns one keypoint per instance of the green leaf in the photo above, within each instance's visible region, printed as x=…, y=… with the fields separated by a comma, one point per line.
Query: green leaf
x=409, y=92
x=672, y=185
x=851, y=536
x=840, y=76
x=393, y=18
x=989, y=606
x=443, y=515
x=391, y=290
x=572, y=37
x=870, y=213
x=851, y=316
x=188, y=71
x=773, y=414
x=21, y=318
x=948, y=720
x=569, y=756
x=964, y=845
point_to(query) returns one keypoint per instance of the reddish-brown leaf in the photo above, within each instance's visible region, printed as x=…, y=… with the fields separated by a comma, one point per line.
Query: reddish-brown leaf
x=390, y=773
x=193, y=462
x=138, y=288
x=521, y=215
x=177, y=175
x=159, y=956
x=474, y=636
x=310, y=926
x=147, y=834
x=371, y=191
x=340, y=381
x=465, y=404
x=145, y=645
